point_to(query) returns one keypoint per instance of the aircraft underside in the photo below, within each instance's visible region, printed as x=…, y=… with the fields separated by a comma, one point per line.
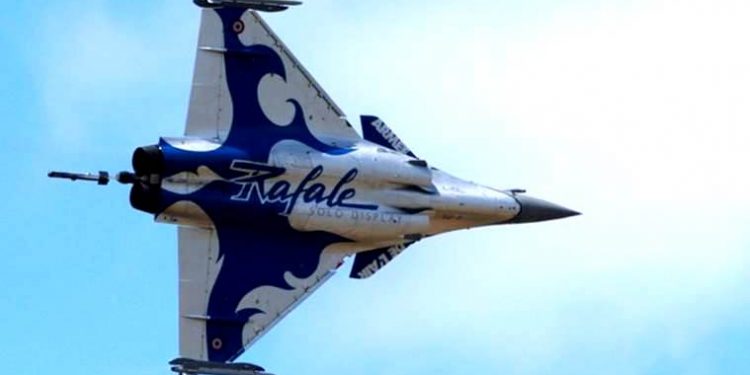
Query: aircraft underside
x=272, y=189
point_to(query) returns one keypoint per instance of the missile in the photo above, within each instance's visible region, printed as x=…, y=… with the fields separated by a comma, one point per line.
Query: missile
x=192, y=366
x=260, y=5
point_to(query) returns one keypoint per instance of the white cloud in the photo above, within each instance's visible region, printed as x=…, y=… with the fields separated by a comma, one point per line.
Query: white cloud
x=634, y=113
x=644, y=93
x=97, y=67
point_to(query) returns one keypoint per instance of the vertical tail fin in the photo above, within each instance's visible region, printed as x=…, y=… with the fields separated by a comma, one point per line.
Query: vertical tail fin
x=376, y=131
x=368, y=263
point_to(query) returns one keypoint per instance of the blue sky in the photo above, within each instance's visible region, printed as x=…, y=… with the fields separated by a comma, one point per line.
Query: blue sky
x=633, y=112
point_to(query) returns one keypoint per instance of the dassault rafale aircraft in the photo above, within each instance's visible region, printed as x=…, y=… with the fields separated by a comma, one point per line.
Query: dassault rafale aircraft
x=272, y=189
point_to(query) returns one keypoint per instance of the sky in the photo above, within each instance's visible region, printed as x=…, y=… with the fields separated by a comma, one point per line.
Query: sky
x=633, y=112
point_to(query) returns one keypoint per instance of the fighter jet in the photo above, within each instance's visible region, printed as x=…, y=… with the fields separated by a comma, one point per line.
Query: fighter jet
x=272, y=189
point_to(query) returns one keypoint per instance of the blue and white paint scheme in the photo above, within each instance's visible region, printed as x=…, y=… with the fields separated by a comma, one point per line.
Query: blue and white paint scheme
x=272, y=189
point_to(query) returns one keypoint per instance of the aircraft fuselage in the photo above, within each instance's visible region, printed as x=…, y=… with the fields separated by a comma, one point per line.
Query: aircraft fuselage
x=363, y=192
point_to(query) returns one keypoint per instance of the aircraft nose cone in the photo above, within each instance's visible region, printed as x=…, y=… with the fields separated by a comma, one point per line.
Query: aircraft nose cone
x=535, y=209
